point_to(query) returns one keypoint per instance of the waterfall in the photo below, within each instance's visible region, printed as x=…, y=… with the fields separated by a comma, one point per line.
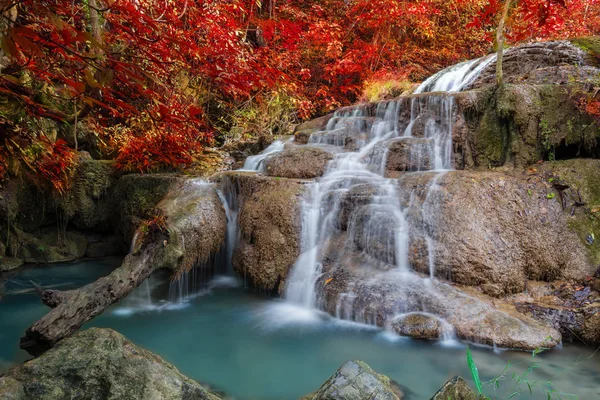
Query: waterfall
x=256, y=163
x=228, y=193
x=377, y=226
x=455, y=78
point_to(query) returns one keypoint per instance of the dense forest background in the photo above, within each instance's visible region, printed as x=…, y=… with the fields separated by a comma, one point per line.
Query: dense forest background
x=151, y=83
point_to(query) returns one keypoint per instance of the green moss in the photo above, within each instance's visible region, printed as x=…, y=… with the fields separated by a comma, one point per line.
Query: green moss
x=492, y=141
x=590, y=45
x=581, y=175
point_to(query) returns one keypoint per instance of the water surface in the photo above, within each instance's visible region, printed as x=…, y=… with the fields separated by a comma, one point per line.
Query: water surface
x=252, y=347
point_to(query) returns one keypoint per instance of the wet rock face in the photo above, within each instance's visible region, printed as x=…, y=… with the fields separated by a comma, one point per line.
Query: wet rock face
x=196, y=221
x=303, y=162
x=352, y=289
x=407, y=155
x=455, y=389
x=355, y=380
x=418, y=326
x=270, y=221
x=99, y=364
x=303, y=131
x=493, y=230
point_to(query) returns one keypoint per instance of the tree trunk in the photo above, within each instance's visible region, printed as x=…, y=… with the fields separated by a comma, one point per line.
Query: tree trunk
x=500, y=43
x=95, y=20
x=73, y=308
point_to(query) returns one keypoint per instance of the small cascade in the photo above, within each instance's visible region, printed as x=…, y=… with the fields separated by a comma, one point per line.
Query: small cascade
x=256, y=163
x=456, y=77
x=228, y=193
x=353, y=214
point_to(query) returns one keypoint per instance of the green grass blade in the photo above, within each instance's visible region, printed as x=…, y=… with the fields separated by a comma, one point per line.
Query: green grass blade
x=474, y=371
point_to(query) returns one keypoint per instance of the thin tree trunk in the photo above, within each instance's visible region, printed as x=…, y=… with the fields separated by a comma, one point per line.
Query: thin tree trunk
x=500, y=43
x=95, y=20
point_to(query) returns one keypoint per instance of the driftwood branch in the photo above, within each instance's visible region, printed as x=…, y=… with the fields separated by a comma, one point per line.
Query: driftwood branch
x=71, y=309
x=196, y=230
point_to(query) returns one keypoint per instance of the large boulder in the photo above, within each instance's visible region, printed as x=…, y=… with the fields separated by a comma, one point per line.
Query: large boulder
x=303, y=162
x=355, y=380
x=99, y=364
x=525, y=63
x=270, y=222
x=491, y=230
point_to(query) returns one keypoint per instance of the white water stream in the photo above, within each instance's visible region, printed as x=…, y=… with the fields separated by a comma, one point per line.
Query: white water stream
x=379, y=226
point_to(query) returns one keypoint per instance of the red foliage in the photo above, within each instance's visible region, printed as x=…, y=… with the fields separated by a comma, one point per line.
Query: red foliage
x=157, y=151
x=172, y=67
x=55, y=165
x=591, y=105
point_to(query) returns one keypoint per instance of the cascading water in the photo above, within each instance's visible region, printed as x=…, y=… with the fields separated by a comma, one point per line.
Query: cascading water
x=256, y=163
x=378, y=226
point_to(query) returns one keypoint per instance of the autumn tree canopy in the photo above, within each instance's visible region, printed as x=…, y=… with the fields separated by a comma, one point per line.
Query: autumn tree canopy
x=151, y=82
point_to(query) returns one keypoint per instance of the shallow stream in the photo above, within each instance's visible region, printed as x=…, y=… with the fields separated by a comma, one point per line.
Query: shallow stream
x=253, y=347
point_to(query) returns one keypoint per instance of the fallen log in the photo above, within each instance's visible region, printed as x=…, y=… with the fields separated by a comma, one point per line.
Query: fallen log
x=196, y=228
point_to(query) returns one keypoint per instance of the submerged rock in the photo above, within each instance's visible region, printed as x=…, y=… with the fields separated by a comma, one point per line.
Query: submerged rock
x=455, y=389
x=355, y=380
x=304, y=162
x=99, y=364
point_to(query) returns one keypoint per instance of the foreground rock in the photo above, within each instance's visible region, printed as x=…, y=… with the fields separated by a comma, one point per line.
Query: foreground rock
x=195, y=229
x=455, y=389
x=99, y=364
x=303, y=162
x=270, y=222
x=355, y=380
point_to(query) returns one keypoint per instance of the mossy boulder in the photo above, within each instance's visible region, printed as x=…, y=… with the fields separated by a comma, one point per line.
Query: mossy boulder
x=99, y=364
x=521, y=124
x=9, y=263
x=88, y=205
x=135, y=198
x=355, y=380
x=455, y=389
x=50, y=245
x=578, y=188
